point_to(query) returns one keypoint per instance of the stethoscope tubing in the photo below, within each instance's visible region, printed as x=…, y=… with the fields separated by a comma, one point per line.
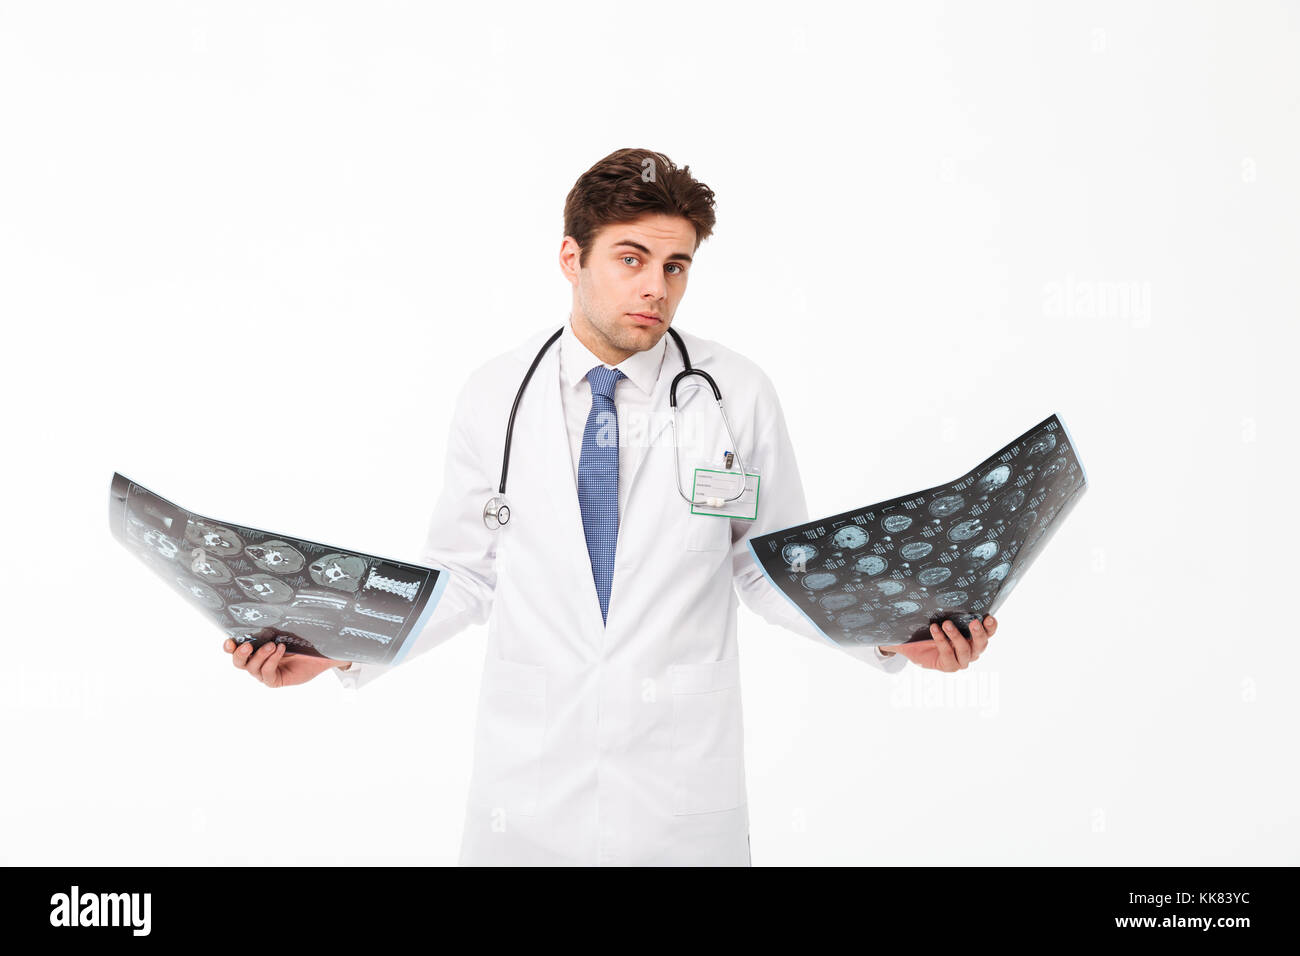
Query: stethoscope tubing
x=503, y=508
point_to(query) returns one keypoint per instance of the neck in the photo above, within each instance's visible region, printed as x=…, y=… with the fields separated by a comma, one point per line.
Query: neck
x=600, y=346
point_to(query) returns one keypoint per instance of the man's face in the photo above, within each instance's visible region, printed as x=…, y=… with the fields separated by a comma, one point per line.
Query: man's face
x=634, y=267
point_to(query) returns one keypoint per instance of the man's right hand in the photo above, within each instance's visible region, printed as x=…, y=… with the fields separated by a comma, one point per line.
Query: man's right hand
x=273, y=666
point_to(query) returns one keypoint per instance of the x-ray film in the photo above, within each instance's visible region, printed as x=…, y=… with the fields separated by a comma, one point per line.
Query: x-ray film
x=882, y=574
x=257, y=586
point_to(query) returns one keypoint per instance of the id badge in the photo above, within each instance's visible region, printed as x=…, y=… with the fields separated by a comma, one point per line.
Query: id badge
x=722, y=483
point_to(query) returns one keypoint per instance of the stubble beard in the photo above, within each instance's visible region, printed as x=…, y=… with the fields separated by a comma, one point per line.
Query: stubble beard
x=613, y=332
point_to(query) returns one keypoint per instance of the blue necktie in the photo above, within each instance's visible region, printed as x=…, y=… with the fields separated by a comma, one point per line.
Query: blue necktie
x=598, y=480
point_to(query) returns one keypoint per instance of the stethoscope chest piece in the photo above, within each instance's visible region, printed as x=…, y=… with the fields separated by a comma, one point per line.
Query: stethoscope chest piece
x=496, y=513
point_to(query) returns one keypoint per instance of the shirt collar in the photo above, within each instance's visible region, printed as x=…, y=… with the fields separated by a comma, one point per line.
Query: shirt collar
x=576, y=360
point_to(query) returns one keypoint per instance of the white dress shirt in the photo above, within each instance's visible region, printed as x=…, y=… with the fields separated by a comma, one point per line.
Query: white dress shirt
x=631, y=396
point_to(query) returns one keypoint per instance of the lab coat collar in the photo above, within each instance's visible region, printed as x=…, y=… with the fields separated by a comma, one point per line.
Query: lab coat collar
x=576, y=360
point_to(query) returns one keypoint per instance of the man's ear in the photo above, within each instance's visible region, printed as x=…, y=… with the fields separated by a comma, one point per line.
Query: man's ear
x=570, y=253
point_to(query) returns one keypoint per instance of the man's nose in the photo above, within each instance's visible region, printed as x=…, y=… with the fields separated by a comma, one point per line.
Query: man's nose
x=654, y=288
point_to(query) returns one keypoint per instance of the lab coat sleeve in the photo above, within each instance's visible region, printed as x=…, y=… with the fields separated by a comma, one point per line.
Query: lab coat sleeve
x=781, y=504
x=457, y=542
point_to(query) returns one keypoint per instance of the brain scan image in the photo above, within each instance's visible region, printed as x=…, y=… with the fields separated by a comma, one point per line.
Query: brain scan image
x=255, y=615
x=993, y=480
x=798, y=555
x=1011, y=500
x=880, y=574
x=818, y=581
x=1040, y=446
x=162, y=544
x=947, y=505
x=150, y=539
x=965, y=530
x=853, y=620
x=241, y=634
x=982, y=553
x=932, y=576
x=259, y=586
x=279, y=557
x=916, y=550
x=998, y=572
x=263, y=587
x=850, y=538
x=896, y=523
x=1050, y=470
x=220, y=541
x=340, y=571
x=1024, y=525
x=200, y=593
x=868, y=637
x=208, y=569
x=870, y=565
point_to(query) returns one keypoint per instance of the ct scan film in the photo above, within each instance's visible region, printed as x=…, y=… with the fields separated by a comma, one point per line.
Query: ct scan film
x=882, y=574
x=258, y=586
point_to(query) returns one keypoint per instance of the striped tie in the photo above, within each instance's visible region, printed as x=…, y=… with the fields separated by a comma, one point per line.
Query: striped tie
x=598, y=480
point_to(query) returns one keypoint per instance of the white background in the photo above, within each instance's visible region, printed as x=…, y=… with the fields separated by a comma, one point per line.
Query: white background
x=249, y=252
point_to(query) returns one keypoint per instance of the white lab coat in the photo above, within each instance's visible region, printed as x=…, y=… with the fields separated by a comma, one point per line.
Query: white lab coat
x=621, y=742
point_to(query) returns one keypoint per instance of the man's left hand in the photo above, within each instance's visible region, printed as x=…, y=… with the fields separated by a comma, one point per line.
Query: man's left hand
x=947, y=650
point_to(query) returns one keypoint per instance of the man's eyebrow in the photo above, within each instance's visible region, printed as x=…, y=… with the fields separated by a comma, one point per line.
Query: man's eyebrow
x=643, y=249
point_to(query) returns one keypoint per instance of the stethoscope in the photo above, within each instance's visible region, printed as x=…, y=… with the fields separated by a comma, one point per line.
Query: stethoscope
x=497, y=511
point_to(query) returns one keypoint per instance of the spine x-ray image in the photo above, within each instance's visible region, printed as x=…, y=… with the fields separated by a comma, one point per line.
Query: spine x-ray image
x=257, y=586
x=882, y=574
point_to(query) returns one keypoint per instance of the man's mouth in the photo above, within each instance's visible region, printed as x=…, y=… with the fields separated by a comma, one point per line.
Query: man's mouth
x=645, y=318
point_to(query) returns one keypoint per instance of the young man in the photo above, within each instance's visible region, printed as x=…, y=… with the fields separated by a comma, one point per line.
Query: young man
x=610, y=726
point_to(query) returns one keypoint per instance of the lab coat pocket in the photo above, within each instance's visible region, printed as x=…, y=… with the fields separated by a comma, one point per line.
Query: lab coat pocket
x=509, y=736
x=707, y=533
x=708, y=741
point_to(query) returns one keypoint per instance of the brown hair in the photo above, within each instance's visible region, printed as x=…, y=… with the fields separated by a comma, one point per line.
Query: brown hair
x=627, y=184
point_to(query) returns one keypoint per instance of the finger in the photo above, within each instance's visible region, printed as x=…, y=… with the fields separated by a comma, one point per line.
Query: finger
x=229, y=646
x=272, y=676
x=266, y=667
x=960, y=646
x=991, y=625
x=253, y=662
x=979, y=639
x=242, y=654
x=947, y=660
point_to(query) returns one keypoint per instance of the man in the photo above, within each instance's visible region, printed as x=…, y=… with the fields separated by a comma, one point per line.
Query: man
x=609, y=727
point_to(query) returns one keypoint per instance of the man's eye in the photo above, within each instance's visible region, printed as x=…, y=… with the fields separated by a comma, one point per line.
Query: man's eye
x=678, y=267
x=633, y=258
